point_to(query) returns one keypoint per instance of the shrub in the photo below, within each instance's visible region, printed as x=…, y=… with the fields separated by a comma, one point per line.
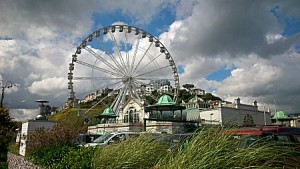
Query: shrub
x=140, y=152
x=48, y=156
x=45, y=147
x=75, y=158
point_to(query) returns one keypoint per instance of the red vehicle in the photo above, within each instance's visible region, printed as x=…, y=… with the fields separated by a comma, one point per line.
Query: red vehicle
x=249, y=135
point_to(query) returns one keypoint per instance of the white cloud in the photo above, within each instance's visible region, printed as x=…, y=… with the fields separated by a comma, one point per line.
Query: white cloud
x=206, y=36
x=272, y=38
x=219, y=33
x=23, y=114
x=51, y=86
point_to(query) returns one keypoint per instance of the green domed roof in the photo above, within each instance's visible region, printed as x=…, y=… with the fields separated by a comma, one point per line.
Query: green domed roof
x=108, y=111
x=280, y=115
x=165, y=100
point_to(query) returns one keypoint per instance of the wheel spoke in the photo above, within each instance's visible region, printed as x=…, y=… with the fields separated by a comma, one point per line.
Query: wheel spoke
x=119, y=98
x=101, y=87
x=149, y=63
x=118, y=52
x=97, y=68
x=133, y=72
x=152, y=71
x=103, y=60
x=98, y=102
x=134, y=55
x=97, y=78
x=111, y=56
x=151, y=78
x=126, y=50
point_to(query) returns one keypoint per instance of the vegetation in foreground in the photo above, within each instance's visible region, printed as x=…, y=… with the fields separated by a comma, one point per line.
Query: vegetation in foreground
x=6, y=135
x=209, y=148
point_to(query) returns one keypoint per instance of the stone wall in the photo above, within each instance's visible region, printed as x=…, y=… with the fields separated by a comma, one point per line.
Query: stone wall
x=18, y=162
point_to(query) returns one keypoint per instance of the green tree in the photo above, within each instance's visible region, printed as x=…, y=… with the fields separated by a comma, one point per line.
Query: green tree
x=188, y=86
x=5, y=129
x=184, y=95
x=209, y=96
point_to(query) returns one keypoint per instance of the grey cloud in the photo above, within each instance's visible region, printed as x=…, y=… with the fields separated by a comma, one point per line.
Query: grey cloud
x=231, y=27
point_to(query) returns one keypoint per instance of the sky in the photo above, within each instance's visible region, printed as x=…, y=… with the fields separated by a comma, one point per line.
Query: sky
x=234, y=48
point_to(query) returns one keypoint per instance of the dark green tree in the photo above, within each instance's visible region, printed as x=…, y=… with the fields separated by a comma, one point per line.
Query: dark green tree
x=5, y=128
x=188, y=86
x=185, y=96
x=209, y=96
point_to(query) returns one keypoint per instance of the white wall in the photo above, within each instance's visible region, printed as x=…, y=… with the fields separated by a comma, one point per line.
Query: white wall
x=29, y=127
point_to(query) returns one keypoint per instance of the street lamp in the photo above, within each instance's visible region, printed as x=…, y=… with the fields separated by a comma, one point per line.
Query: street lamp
x=8, y=84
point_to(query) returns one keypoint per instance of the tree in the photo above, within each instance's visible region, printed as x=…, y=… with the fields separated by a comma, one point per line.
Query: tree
x=184, y=96
x=188, y=86
x=5, y=129
x=209, y=96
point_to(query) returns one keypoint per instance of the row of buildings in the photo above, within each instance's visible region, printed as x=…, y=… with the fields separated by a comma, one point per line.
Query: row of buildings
x=160, y=86
x=167, y=116
x=171, y=117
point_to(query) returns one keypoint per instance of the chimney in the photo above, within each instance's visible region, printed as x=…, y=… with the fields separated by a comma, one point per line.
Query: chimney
x=255, y=103
x=237, y=102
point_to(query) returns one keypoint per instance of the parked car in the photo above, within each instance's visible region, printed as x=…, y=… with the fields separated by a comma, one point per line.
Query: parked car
x=87, y=138
x=175, y=141
x=251, y=135
x=109, y=138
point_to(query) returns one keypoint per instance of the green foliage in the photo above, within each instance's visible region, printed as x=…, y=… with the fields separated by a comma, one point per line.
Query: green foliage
x=68, y=117
x=44, y=145
x=48, y=155
x=212, y=149
x=188, y=86
x=6, y=129
x=141, y=152
x=13, y=148
x=209, y=96
x=184, y=95
x=75, y=158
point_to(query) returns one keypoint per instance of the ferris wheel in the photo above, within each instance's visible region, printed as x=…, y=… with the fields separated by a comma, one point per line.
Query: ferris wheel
x=127, y=60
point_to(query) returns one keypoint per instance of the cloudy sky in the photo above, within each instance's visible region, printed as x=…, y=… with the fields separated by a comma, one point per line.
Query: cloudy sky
x=234, y=48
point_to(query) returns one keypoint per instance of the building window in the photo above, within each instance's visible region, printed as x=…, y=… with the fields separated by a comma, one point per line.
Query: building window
x=248, y=120
x=131, y=116
x=125, y=117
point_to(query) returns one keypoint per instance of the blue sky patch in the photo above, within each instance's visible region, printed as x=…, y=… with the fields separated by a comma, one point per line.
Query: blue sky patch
x=220, y=74
x=180, y=69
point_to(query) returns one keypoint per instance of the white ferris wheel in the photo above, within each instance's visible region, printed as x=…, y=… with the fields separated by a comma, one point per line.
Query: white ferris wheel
x=125, y=59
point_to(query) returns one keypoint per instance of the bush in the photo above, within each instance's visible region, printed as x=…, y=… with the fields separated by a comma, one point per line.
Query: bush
x=141, y=152
x=75, y=158
x=48, y=156
x=45, y=147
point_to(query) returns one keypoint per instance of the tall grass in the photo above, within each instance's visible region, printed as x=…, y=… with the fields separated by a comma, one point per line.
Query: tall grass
x=209, y=149
x=141, y=152
x=214, y=149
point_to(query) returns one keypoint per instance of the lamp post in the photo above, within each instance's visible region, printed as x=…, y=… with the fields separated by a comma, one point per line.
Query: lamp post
x=211, y=114
x=275, y=112
x=8, y=84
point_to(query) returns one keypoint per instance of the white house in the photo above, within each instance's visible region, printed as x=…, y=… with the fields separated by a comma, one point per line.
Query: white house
x=227, y=113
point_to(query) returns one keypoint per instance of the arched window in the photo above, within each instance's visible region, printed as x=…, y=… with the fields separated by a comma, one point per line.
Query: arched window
x=131, y=116
x=248, y=120
x=126, y=117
